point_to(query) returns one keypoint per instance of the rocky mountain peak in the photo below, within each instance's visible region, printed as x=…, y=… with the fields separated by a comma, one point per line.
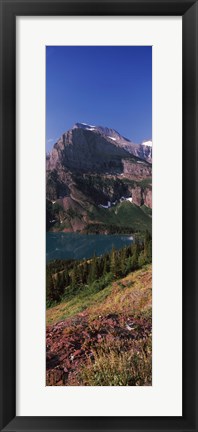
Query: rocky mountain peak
x=89, y=147
x=83, y=126
x=143, y=150
x=103, y=130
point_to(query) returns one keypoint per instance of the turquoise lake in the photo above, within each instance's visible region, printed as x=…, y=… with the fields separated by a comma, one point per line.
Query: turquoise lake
x=79, y=246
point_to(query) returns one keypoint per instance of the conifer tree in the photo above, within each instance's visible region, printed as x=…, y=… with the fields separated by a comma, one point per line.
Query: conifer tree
x=134, y=260
x=50, y=288
x=141, y=259
x=148, y=247
x=67, y=278
x=123, y=261
x=93, y=270
x=113, y=261
x=85, y=271
x=59, y=287
x=105, y=265
x=74, y=277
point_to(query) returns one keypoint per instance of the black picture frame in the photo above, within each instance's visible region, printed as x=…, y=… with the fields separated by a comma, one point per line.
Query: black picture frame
x=188, y=9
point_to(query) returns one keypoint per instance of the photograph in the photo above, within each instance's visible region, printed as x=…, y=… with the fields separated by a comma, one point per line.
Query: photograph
x=98, y=215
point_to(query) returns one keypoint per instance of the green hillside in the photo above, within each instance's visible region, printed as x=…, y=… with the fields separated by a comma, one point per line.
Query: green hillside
x=103, y=338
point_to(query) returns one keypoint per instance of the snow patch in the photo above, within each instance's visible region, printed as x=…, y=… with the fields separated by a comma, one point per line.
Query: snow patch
x=89, y=126
x=147, y=143
x=114, y=139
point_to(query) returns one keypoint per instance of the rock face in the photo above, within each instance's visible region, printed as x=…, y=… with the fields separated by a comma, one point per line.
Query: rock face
x=137, y=194
x=142, y=151
x=87, y=150
x=147, y=195
x=95, y=166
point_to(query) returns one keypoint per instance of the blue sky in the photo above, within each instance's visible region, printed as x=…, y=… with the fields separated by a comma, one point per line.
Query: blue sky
x=100, y=85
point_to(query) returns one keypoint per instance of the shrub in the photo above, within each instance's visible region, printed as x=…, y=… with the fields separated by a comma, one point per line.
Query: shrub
x=113, y=366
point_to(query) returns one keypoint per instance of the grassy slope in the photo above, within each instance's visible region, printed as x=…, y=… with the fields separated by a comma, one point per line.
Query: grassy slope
x=146, y=210
x=103, y=339
x=129, y=294
x=128, y=214
x=124, y=214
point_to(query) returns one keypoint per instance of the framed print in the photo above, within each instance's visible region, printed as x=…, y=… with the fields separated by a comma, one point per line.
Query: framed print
x=98, y=215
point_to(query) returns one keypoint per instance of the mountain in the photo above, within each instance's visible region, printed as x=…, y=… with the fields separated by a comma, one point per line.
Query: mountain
x=142, y=151
x=90, y=173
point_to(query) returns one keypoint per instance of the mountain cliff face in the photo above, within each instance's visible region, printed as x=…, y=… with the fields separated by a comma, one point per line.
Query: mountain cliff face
x=90, y=173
